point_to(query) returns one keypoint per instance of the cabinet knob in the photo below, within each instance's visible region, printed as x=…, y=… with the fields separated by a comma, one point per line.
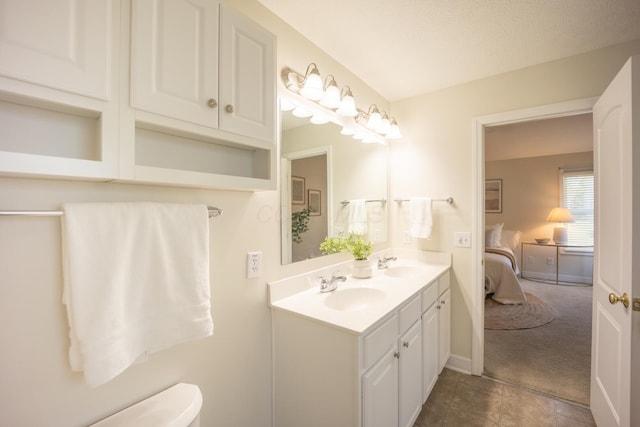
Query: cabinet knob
x=229, y=108
x=405, y=344
x=212, y=103
x=396, y=355
x=438, y=306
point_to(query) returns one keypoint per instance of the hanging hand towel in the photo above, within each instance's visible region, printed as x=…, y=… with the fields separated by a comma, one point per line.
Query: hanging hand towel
x=358, y=216
x=420, y=217
x=136, y=281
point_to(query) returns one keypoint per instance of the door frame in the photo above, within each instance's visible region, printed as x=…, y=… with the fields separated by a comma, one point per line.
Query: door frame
x=562, y=109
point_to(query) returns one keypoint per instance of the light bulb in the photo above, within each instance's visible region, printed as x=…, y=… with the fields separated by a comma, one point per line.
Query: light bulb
x=319, y=119
x=394, y=133
x=331, y=98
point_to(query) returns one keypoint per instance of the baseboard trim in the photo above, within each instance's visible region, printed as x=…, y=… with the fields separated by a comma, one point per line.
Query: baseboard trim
x=460, y=364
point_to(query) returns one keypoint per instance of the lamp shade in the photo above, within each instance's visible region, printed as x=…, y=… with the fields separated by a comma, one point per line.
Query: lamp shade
x=560, y=215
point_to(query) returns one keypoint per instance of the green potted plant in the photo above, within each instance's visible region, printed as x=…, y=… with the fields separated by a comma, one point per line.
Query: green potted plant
x=359, y=247
x=299, y=224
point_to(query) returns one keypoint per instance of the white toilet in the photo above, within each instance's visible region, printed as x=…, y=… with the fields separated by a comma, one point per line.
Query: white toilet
x=177, y=406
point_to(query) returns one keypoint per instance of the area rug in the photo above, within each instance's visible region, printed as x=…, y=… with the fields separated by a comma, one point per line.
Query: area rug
x=532, y=314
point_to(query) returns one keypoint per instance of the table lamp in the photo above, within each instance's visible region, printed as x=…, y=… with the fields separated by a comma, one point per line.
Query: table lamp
x=561, y=216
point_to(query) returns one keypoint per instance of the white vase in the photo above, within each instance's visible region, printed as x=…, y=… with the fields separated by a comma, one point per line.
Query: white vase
x=361, y=269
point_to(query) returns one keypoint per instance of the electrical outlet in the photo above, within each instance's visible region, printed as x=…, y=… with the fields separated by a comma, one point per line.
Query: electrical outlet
x=462, y=239
x=549, y=261
x=531, y=260
x=254, y=265
x=407, y=236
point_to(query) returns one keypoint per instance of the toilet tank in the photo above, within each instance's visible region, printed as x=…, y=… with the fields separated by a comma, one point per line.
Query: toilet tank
x=177, y=406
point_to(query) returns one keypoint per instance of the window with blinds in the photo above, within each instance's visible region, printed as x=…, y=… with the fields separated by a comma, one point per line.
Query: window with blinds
x=577, y=196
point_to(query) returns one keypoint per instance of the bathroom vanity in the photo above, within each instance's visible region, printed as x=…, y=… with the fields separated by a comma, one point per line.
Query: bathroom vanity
x=366, y=354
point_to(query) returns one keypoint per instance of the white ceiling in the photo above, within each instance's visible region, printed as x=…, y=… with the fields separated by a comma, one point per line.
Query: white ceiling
x=403, y=48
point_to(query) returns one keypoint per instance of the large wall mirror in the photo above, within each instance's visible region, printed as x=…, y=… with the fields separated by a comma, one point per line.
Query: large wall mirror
x=322, y=172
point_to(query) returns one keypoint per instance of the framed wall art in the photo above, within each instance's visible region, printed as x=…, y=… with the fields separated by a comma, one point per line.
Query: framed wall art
x=297, y=191
x=315, y=202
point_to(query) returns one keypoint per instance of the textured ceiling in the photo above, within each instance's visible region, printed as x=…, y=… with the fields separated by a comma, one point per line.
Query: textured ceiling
x=403, y=48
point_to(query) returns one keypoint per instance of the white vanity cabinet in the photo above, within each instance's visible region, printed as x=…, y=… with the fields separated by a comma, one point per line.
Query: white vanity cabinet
x=436, y=331
x=58, y=98
x=201, y=62
x=392, y=387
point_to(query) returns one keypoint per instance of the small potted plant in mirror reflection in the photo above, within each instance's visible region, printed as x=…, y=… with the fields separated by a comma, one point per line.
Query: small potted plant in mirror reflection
x=359, y=247
x=299, y=224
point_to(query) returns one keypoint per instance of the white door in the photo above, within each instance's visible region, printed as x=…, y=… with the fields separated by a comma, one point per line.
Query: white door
x=444, y=326
x=430, y=352
x=174, y=59
x=617, y=175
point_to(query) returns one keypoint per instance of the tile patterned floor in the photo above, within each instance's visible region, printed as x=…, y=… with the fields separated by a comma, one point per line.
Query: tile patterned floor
x=464, y=400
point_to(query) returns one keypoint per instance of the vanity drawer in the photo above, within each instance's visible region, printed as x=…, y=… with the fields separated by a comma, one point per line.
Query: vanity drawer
x=410, y=313
x=443, y=283
x=378, y=341
x=430, y=295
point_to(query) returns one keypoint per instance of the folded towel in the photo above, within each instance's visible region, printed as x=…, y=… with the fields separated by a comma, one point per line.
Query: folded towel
x=420, y=217
x=136, y=281
x=358, y=216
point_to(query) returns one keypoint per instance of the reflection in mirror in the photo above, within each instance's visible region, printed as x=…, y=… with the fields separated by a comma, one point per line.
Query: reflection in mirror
x=322, y=172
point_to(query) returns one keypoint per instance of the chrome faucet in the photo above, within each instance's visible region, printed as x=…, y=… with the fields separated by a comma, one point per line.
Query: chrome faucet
x=331, y=284
x=384, y=261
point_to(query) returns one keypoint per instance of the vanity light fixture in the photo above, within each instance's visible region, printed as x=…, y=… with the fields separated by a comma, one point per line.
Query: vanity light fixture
x=347, y=103
x=312, y=84
x=325, y=102
x=331, y=97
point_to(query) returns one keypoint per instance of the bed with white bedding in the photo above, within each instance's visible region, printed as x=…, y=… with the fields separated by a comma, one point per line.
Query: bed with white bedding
x=501, y=267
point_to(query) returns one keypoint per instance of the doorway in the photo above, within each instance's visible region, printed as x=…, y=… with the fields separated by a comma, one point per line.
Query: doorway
x=480, y=125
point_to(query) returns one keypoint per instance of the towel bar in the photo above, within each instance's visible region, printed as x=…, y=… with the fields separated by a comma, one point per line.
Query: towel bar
x=346, y=202
x=449, y=200
x=213, y=211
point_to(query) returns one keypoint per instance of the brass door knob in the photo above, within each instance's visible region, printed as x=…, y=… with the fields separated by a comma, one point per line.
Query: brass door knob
x=229, y=108
x=624, y=299
x=212, y=103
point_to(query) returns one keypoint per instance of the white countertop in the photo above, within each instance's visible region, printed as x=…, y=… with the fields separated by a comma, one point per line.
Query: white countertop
x=301, y=295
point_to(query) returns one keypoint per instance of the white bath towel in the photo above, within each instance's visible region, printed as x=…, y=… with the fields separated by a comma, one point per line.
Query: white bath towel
x=420, y=217
x=358, y=216
x=136, y=281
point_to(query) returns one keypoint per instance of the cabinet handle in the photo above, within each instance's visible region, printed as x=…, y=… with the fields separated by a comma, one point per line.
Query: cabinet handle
x=229, y=108
x=396, y=355
x=405, y=344
x=212, y=103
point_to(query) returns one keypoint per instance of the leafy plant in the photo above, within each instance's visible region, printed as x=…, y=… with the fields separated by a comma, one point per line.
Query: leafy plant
x=355, y=243
x=299, y=224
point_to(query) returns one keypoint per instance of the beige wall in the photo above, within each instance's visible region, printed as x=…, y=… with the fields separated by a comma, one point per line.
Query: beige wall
x=232, y=368
x=434, y=158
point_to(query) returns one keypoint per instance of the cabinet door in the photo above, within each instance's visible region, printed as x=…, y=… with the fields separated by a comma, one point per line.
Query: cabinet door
x=430, y=350
x=410, y=375
x=444, y=325
x=247, y=77
x=380, y=392
x=174, y=59
x=61, y=44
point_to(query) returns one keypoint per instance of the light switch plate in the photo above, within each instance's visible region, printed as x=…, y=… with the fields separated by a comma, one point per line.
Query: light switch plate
x=462, y=239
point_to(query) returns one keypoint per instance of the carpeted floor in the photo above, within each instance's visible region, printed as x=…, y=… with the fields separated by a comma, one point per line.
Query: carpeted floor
x=554, y=358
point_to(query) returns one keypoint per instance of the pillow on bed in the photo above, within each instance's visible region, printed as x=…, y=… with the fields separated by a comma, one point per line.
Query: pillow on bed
x=493, y=235
x=510, y=239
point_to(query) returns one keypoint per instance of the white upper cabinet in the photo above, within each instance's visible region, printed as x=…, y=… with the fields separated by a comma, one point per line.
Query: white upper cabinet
x=174, y=66
x=60, y=44
x=182, y=70
x=247, y=77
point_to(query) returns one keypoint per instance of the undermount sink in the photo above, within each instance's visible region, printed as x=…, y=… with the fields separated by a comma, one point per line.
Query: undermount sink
x=402, y=271
x=354, y=298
